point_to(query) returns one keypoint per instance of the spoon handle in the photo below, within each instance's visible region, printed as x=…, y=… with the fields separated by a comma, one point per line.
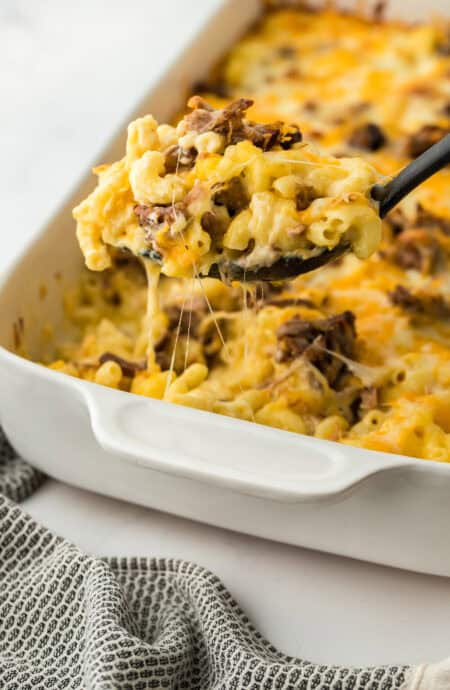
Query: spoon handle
x=423, y=167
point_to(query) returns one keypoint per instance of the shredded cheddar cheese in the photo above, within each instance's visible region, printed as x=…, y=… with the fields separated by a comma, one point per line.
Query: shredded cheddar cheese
x=357, y=352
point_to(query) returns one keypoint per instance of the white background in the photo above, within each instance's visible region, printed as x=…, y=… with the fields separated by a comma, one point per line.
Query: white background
x=70, y=73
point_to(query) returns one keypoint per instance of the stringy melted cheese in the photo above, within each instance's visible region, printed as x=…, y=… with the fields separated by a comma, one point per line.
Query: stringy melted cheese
x=220, y=348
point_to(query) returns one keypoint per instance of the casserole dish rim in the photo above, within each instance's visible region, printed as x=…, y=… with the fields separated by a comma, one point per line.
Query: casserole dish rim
x=374, y=461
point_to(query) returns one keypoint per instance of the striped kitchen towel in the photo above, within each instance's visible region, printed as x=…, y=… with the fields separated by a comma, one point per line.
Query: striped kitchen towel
x=70, y=620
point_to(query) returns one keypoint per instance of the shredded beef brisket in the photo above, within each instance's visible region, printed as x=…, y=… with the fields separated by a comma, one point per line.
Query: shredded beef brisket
x=416, y=249
x=231, y=123
x=426, y=219
x=154, y=217
x=232, y=194
x=128, y=367
x=418, y=242
x=397, y=221
x=178, y=159
x=426, y=136
x=369, y=137
x=212, y=224
x=282, y=303
x=305, y=195
x=312, y=339
x=188, y=319
x=420, y=306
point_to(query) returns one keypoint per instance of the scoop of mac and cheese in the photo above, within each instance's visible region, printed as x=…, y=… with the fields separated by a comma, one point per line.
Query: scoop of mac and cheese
x=219, y=188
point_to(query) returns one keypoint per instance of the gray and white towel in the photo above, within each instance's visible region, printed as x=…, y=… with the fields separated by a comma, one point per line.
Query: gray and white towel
x=69, y=620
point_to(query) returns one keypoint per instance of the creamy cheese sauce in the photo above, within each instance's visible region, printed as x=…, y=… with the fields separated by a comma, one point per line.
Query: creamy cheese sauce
x=358, y=352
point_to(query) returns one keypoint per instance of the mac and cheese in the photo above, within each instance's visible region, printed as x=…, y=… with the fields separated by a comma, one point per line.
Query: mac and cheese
x=357, y=352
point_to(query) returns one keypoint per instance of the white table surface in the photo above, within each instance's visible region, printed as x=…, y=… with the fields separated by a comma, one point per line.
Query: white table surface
x=70, y=73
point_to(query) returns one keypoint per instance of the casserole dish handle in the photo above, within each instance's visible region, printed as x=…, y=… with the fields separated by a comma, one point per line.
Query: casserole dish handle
x=230, y=453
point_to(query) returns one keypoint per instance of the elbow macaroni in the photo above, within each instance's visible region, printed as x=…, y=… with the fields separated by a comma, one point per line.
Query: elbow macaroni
x=184, y=198
x=203, y=201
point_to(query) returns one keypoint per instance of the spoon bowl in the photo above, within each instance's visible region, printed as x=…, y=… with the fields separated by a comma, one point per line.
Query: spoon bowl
x=286, y=268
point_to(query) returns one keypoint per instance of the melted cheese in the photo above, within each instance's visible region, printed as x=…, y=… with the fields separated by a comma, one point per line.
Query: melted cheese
x=217, y=347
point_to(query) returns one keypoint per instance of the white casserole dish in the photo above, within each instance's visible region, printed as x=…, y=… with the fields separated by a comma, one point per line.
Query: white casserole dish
x=379, y=507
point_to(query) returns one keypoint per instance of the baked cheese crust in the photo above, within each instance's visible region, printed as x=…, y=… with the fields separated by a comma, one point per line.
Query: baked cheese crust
x=357, y=352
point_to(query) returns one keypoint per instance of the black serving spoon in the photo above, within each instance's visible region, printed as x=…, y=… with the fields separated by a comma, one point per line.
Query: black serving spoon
x=387, y=196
